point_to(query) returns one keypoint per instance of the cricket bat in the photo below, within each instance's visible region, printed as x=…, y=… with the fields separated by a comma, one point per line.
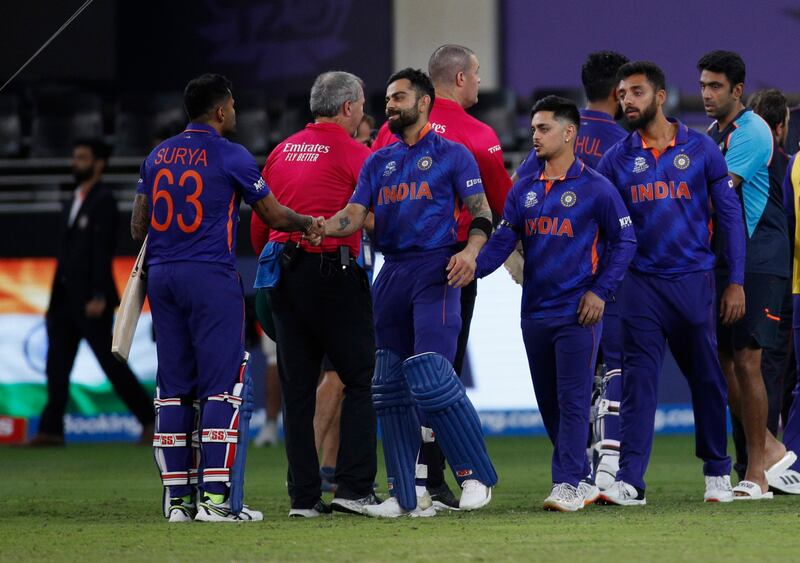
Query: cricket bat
x=130, y=308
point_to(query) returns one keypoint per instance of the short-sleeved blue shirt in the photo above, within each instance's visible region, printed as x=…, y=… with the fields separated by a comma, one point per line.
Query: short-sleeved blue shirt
x=194, y=182
x=415, y=192
x=748, y=145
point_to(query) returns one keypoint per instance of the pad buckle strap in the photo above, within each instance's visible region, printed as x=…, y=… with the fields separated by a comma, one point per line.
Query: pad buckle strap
x=216, y=475
x=232, y=399
x=168, y=440
x=224, y=435
x=606, y=407
x=167, y=402
x=174, y=478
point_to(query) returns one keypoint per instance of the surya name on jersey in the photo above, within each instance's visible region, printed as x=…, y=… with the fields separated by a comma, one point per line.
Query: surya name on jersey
x=304, y=152
x=183, y=155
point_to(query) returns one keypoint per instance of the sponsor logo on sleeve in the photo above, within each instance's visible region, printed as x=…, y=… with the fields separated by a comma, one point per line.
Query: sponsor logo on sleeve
x=260, y=185
x=625, y=222
x=473, y=182
x=494, y=149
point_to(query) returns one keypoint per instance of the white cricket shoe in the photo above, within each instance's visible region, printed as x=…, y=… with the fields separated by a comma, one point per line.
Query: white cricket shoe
x=607, y=467
x=564, y=498
x=181, y=511
x=390, y=508
x=210, y=511
x=718, y=489
x=623, y=494
x=787, y=482
x=268, y=435
x=590, y=493
x=474, y=495
x=315, y=511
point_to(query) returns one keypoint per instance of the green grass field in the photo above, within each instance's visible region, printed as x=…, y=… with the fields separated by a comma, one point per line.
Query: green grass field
x=101, y=502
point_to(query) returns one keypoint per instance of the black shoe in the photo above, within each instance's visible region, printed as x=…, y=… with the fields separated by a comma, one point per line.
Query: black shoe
x=356, y=505
x=317, y=510
x=443, y=498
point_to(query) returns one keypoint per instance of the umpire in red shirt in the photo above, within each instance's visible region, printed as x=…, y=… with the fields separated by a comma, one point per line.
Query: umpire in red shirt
x=322, y=303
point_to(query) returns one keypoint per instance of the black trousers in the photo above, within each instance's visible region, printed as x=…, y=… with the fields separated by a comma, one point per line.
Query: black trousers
x=321, y=308
x=432, y=452
x=65, y=330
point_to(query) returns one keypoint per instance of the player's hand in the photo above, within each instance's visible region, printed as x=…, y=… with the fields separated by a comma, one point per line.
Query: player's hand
x=514, y=265
x=95, y=307
x=731, y=306
x=590, y=309
x=316, y=232
x=461, y=268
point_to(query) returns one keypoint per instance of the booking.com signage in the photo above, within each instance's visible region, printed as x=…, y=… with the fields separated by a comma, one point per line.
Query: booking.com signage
x=499, y=380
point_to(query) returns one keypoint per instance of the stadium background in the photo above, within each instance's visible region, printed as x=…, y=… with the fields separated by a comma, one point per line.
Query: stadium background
x=118, y=71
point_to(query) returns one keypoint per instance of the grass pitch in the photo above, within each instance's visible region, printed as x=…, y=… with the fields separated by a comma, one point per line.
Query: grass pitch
x=101, y=502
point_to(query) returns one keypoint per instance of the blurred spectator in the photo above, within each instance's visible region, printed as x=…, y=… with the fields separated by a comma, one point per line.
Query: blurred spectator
x=365, y=133
x=84, y=297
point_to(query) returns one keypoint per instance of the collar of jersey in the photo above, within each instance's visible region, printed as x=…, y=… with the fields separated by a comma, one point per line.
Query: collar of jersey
x=200, y=128
x=424, y=131
x=332, y=127
x=599, y=115
x=681, y=135
x=574, y=171
x=448, y=105
x=731, y=126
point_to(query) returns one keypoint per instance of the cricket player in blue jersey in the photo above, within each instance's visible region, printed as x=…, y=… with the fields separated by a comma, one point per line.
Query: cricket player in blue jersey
x=669, y=177
x=746, y=141
x=578, y=241
x=415, y=187
x=598, y=133
x=187, y=204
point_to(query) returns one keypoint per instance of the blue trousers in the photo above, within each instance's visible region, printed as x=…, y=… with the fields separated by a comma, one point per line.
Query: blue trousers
x=791, y=432
x=680, y=311
x=561, y=356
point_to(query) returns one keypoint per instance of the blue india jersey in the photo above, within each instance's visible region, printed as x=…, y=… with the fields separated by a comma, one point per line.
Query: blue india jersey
x=194, y=183
x=670, y=195
x=415, y=192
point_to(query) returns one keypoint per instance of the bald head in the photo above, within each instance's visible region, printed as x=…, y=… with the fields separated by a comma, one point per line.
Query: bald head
x=447, y=61
x=454, y=72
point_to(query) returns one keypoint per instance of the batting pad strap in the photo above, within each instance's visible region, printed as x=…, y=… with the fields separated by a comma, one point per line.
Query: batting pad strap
x=233, y=399
x=428, y=435
x=216, y=475
x=222, y=435
x=606, y=407
x=174, y=478
x=168, y=440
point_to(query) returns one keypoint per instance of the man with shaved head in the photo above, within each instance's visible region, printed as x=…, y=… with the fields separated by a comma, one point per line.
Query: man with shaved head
x=453, y=69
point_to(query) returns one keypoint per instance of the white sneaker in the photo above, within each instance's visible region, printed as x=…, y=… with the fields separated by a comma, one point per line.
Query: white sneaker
x=474, y=495
x=590, y=493
x=268, y=435
x=181, y=511
x=787, y=482
x=317, y=510
x=607, y=467
x=564, y=498
x=718, y=489
x=622, y=494
x=209, y=511
x=390, y=508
